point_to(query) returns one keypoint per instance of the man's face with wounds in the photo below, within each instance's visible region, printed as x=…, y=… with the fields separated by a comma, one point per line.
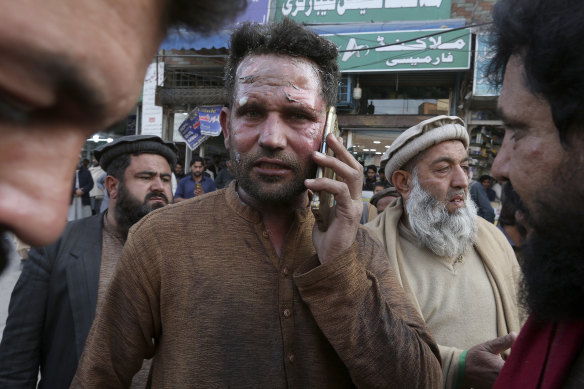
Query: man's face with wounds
x=275, y=123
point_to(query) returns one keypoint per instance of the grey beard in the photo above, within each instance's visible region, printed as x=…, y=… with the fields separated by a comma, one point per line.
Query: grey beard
x=446, y=234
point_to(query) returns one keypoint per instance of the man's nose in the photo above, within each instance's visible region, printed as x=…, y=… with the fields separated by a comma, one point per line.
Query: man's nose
x=460, y=178
x=157, y=184
x=272, y=132
x=500, y=168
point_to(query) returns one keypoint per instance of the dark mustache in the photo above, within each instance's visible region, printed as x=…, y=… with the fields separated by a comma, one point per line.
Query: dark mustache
x=156, y=194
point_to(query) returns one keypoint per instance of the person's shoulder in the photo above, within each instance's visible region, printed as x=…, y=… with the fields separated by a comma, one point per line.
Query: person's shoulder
x=384, y=227
x=487, y=226
x=79, y=225
x=77, y=233
x=490, y=236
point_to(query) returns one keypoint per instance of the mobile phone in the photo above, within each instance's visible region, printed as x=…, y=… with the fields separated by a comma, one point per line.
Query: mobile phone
x=322, y=202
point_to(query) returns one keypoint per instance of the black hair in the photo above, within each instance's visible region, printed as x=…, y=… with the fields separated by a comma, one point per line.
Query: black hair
x=371, y=167
x=118, y=166
x=197, y=158
x=285, y=38
x=546, y=34
x=484, y=177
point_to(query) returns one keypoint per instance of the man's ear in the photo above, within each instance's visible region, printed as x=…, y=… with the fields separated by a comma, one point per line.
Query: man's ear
x=112, y=185
x=224, y=121
x=402, y=180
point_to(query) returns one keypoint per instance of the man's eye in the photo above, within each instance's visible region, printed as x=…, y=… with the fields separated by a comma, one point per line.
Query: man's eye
x=12, y=111
x=300, y=116
x=251, y=114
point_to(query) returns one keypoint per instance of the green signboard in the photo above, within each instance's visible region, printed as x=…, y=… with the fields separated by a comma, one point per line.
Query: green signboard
x=403, y=50
x=334, y=11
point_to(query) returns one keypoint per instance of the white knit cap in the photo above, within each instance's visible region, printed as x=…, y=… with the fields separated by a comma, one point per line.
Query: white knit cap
x=420, y=137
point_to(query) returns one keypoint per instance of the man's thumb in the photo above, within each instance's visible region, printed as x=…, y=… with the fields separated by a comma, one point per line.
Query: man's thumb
x=500, y=344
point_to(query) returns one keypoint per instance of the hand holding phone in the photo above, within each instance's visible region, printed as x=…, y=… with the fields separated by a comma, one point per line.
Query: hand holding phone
x=337, y=198
x=323, y=202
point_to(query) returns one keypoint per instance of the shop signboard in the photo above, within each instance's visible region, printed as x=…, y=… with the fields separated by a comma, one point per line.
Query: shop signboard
x=403, y=50
x=481, y=86
x=209, y=120
x=335, y=11
x=151, y=113
x=191, y=130
x=200, y=124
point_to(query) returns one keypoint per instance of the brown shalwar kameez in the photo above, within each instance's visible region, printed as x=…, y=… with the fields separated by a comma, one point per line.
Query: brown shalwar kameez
x=203, y=279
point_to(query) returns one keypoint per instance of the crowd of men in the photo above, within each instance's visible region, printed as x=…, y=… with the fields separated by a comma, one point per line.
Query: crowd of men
x=240, y=287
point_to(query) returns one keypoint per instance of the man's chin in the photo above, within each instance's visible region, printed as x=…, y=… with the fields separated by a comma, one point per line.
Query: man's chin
x=273, y=190
x=453, y=209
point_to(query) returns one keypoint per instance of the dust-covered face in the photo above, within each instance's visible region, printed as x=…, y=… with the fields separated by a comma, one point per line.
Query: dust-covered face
x=275, y=123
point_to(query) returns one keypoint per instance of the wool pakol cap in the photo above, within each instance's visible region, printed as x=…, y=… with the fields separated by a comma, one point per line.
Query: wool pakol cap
x=132, y=144
x=420, y=137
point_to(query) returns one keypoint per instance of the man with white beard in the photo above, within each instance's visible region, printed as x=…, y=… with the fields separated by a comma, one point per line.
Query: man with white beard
x=457, y=269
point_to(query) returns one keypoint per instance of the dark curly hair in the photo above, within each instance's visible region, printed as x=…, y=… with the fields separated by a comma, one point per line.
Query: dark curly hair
x=547, y=35
x=287, y=38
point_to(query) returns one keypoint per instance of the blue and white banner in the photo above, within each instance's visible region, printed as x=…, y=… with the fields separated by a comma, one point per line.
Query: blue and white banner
x=200, y=124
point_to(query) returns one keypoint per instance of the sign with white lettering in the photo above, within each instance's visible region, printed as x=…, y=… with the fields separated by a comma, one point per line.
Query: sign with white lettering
x=209, y=120
x=151, y=113
x=200, y=124
x=191, y=130
x=334, y=11
x=403, y=50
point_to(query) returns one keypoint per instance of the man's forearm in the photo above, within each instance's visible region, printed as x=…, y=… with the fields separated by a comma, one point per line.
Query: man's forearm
x=377, y=333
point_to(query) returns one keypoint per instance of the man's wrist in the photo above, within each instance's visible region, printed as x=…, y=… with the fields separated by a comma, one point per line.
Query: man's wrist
x=461, y=366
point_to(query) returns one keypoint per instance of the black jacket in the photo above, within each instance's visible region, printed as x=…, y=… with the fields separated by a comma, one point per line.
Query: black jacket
x=52, y=308
x=85, y=184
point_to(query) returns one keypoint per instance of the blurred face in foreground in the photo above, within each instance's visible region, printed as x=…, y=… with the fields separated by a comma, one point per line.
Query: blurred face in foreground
x=68, y=68
x=548, y=177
